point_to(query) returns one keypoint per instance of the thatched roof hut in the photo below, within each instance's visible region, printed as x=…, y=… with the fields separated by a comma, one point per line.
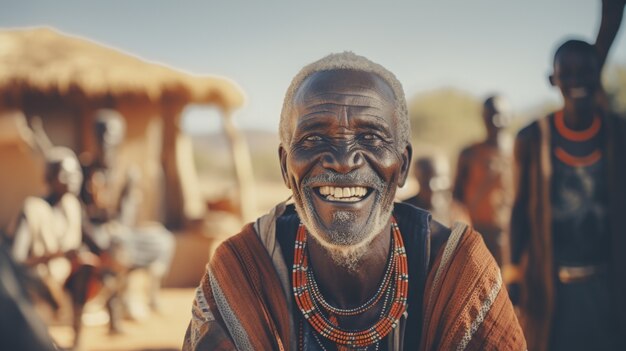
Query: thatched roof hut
x=50, y=62
x=65, y=79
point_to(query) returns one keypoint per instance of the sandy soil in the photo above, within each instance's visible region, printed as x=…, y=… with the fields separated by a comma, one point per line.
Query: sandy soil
x=155, y=332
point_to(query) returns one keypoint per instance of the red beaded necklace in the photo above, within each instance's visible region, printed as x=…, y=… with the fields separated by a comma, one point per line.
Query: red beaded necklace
x=577, y=136
x=310, y=302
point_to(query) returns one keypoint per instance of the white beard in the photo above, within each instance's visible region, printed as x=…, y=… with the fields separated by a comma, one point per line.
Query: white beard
x=345, y=246
x=350, y=254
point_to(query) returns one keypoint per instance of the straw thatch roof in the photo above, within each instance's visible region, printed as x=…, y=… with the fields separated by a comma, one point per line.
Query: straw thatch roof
x=46, y=60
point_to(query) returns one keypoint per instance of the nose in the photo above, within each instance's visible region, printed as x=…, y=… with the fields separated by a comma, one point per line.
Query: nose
x=342, y=159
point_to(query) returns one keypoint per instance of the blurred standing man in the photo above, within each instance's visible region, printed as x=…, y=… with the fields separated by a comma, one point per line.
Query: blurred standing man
x=346, y=268
x=484, y=181
x=567, y=228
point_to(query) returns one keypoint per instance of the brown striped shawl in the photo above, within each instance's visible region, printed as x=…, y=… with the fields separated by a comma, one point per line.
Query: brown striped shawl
x=244, y=300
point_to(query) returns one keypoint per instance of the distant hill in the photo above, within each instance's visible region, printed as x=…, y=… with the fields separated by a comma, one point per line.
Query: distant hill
x=212, y=154
x=445, y=119
x=448, y=119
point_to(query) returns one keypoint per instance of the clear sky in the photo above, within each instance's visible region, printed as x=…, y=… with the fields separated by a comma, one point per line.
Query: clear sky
x=481, y=46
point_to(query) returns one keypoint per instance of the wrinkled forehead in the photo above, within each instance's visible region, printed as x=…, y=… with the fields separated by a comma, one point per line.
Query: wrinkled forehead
x=336, y=83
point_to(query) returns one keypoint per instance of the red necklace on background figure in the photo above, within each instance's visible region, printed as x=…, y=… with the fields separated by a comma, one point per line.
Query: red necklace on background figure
x=579, y=137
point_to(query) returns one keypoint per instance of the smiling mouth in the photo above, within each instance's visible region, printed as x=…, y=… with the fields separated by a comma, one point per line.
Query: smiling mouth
x=343, y=194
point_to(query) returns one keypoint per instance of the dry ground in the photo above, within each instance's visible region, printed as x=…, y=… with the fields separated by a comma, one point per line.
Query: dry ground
x=156, y=332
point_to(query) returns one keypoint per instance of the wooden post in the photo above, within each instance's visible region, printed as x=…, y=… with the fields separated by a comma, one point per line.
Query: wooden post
x=174, y=201
x=243, y=169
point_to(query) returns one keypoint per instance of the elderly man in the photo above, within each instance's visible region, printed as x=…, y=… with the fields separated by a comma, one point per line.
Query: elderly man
x=346, y=268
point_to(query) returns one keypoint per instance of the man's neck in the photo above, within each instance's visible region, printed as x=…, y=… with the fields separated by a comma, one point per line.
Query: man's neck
x=495, y=139
x=345, y=287
x=577, y=118
x=53, y=198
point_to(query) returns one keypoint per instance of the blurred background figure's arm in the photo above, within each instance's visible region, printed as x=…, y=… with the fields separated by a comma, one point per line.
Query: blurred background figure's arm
x=520, y=221
x=612, y=14
x=458, y=190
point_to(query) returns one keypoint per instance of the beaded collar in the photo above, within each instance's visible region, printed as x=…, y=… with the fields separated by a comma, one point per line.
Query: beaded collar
x=322, y=316
x=579, y=137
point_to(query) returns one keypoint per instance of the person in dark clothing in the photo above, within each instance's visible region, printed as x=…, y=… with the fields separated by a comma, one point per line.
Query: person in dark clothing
x=567, y=238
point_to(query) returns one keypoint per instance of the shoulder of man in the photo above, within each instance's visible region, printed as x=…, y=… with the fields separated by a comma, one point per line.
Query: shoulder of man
x=466, y=298
x=529, y=132
x=618, y=120
x=36, y=208
x=471, y=149
x=439, y=235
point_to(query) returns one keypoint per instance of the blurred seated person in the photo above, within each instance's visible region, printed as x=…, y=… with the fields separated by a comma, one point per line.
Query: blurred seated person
x=484, y=180
x=48, y=236
x=112, y=200
x=433, y=176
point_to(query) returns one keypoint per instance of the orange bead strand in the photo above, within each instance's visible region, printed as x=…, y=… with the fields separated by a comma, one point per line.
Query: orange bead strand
x=308, y=301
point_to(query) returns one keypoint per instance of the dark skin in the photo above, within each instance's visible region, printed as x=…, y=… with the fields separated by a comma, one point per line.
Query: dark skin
x=612, y=13
x=56, y=187
x=577, y=76
x=426, y=170
x=109, y=136
x=56, y=190
x=482, y=167
x=491, y=112
x=344, y=121
x=578, y=114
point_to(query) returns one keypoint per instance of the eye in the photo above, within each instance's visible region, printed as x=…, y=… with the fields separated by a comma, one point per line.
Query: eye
x=371, y=137
x=313, y=138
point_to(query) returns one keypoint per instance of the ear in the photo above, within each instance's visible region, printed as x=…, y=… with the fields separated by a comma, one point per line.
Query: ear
x=407, y=156
x=282, y=155
x=551, y=80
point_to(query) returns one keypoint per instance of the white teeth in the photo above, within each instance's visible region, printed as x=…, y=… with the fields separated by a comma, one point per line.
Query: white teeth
x=338, y=192
x=343, y=194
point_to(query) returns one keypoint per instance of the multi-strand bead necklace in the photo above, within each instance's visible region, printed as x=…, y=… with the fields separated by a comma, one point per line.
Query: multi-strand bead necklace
x=577, y=137
x=322, y=316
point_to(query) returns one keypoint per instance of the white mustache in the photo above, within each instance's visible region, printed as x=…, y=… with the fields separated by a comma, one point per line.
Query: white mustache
x=352, y=179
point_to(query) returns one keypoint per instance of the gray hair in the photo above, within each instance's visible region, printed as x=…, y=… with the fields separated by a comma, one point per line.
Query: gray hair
x=346, y=61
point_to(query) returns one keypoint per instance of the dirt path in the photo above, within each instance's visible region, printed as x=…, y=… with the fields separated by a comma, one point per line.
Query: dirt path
x=157, y=332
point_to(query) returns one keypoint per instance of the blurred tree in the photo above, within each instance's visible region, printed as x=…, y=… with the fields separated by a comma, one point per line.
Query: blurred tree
x=447, y=119
x=615, y=83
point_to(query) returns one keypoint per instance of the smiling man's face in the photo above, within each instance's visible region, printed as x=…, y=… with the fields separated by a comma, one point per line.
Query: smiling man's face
x=344, y=162
x=577, y=75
